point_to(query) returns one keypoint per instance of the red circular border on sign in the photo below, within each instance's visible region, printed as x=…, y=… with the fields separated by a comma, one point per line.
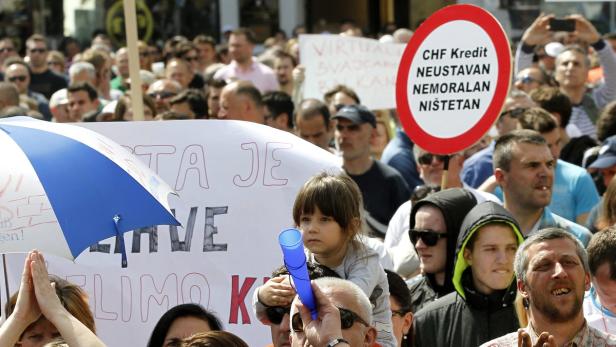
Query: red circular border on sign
x=492, y=27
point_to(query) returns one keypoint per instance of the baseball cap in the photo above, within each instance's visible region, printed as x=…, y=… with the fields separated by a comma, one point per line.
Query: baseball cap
x=607, y=154
x=357, y=114
x=553, y=49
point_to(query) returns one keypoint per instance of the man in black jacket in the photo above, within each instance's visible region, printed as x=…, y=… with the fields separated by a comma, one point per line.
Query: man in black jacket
x=434, y=226
x=481, y=308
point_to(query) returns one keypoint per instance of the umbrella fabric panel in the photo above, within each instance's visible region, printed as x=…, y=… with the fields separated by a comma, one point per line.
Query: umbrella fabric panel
x=27, y=220
x=83, y=186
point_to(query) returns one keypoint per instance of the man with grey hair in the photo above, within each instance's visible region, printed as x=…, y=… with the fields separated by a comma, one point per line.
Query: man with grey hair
x=524, y=169
x=345, y=316
x=552, y=274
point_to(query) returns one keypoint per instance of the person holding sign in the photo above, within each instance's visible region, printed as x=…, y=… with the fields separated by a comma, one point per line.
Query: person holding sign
x=572, y=66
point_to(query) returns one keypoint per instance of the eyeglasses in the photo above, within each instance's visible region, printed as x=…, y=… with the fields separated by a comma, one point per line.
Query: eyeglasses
x=513, y=113
x=144, y=54
x=7, y=49
x=351, y=127
x=526, y=80
x=37, y=50
x=429, y=237
x=426, y=158
x=17, y=78
x=347, y=319
x=275, y=314
x=189, y=59
x=162, y=95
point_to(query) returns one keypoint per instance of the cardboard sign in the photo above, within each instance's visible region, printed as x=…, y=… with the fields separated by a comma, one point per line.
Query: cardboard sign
x=453, y=79
x=365, y=65
x=237, y=182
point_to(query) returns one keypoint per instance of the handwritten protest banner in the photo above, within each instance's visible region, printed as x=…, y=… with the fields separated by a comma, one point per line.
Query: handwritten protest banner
x=236, y=182
x=366, y=65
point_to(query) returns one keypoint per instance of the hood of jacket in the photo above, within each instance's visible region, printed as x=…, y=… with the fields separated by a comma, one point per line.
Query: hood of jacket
x=485, y=213
x=454, y=204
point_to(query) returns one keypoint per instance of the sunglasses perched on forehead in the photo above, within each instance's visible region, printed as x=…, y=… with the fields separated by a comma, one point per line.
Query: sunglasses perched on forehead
x=347, y=319
x=275, y=314
x=429, y=237
x=526, y=80
x=513, y=113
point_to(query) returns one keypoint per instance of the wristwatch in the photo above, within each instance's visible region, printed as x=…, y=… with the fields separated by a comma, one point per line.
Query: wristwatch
x=337, y=341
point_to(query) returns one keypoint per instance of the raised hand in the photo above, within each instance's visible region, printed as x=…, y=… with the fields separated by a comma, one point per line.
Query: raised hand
x=539, y=32
x=544, y=340
x=327, y=326
x=584, y=30
x=26, y=308
x=49, y=303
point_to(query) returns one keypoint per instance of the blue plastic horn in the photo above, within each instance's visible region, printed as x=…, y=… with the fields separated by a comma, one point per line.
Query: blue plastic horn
x=292, y=247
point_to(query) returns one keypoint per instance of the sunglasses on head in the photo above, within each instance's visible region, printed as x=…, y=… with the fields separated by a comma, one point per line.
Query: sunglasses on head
x=525, y=80
x=17, y=78
x=513, y=113
x=426, y=158
x=275, y=314
x=429, y=237
x=347, y=319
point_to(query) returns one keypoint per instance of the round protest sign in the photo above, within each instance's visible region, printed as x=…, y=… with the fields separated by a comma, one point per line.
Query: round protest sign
x=453, y=78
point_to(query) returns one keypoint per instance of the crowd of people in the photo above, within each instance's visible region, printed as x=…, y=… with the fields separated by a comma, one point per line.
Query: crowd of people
x=517, y=248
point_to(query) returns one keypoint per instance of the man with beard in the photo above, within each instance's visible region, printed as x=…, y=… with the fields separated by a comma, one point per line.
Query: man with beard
x=552, y=272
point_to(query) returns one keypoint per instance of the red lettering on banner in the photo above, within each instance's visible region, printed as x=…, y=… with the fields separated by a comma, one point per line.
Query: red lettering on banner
x=238, y=297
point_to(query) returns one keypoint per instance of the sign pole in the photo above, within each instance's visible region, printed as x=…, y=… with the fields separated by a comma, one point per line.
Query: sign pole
x=136, y=94
x=445, y=172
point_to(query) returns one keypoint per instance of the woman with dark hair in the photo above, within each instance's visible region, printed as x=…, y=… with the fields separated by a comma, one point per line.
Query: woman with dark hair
x=401, y=315
x=180, y=322
x=214, y=339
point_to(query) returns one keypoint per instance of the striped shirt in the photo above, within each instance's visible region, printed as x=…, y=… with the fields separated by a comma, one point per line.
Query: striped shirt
x=586, y=337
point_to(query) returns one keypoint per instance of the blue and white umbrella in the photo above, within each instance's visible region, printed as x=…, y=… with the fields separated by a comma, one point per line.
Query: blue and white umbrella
x=64, y=188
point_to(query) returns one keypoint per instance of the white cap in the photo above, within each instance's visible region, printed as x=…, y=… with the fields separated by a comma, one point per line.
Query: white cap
x=553, y=49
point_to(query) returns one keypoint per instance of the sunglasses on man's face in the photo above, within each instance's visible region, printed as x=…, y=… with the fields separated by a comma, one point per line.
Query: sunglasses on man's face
x=526, y=80
x=347, y=319
x=426, y=158
x=275, y=314
x=17, y=78
x=429, y=237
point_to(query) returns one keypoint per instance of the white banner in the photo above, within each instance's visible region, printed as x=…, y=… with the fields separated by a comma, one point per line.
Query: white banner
x=237, y=182
x=365, y=65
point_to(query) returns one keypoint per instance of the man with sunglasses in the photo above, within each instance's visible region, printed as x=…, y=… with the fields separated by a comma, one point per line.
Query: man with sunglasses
x=383, y=188
x=162, y=91
x=344, y=312
x=274, y=313
x=529, y=79
x=434, y=226
x=7, y=50
x=478, y=167
x=17, y=72
x=482, y=306
x=42, y=79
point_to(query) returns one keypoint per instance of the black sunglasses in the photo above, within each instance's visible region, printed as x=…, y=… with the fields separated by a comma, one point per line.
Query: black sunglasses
x=347, y=319
x=426, y=158
x=275, y=314
x=429, y=237
x=162, y=95
x=17, y=78
x=513, y=113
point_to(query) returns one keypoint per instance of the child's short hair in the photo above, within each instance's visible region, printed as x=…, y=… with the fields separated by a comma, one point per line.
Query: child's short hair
x=336, y=196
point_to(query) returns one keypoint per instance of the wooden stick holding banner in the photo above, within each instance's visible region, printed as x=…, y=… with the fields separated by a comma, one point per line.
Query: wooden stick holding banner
x=445, y=172
x=136, y=94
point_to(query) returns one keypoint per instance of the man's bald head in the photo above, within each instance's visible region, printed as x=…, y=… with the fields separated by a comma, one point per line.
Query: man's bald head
x=241, y=100
x=9, y=95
